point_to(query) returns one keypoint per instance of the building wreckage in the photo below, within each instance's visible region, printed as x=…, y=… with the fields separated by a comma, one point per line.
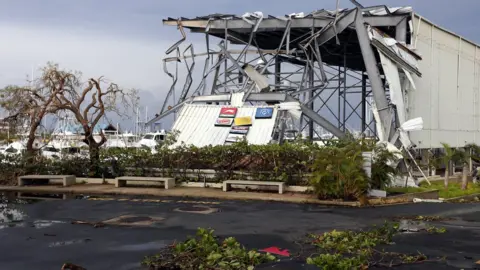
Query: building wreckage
x=327, y=69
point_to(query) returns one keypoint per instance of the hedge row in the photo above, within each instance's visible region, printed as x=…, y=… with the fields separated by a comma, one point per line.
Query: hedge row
x=287, y=162
x=335, y=171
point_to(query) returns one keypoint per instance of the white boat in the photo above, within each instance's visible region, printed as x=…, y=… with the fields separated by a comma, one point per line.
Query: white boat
x=60, y=148
x=152, y=140
x=125, y=140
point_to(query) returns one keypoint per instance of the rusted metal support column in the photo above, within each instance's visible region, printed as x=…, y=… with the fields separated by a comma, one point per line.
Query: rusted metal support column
x=364, y=103
x=278, y=70
x=344, y=87
x=311, y=80
x=373, y=73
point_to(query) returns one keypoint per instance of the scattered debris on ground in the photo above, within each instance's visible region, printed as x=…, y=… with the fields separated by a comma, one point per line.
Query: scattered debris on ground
x=94, y=224
x=422, y=218
x=206, y=251
x=71, y=266
x=361, y=249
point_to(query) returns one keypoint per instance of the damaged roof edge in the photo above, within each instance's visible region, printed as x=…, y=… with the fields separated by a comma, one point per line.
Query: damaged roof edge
x=420, y=17
x=268, y=23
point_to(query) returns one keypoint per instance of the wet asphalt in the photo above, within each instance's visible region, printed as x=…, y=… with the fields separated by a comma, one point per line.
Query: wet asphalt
x=43, y=236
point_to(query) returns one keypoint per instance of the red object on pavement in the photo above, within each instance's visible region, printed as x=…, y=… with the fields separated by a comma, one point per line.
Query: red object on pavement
x=277, y=251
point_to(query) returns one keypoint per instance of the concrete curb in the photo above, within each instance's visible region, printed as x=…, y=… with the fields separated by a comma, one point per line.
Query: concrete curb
x=197, y=190
x=405, y=198
x=185, y=192
x=465, y=197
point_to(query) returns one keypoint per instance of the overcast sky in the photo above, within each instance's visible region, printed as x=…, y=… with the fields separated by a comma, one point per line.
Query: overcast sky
x=125, y=40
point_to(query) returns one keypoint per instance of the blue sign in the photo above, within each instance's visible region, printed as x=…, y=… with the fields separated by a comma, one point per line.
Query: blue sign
x=264, y=113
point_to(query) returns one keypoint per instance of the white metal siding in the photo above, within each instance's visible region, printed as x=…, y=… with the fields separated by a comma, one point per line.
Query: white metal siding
x=447, y=94
x=196, y=124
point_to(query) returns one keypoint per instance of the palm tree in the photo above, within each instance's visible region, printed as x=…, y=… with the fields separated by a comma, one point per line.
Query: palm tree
x=446, y=159
x=463, y=156
x=473, y=156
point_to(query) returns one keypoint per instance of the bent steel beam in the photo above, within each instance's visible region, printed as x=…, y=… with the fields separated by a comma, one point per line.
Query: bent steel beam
x=174, y=81
x=373, y=73
x=315, y=117
x=184, y=37
x=213, y=98
x=168, y=112
x=333, y=29
x=189, y=79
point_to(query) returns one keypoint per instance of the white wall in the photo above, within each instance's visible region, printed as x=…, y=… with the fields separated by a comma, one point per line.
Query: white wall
x=447, y=95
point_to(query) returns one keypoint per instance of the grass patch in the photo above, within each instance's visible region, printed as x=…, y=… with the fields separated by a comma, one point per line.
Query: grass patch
x=454, y=189
x=405, y=190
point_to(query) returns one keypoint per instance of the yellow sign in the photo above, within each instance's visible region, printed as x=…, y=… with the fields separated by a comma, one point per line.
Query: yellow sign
x=243, y=121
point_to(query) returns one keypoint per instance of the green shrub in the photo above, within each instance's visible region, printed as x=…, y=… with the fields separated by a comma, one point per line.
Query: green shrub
x=382, y=173
x=338, y=172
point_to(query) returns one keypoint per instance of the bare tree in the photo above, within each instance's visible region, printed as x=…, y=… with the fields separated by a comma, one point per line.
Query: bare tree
x=27, y=106
x=89, y=103
x=61, y=90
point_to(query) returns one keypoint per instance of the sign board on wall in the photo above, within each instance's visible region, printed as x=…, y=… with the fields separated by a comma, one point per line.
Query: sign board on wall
x=224, y=122
x=243, y=121
x=228, y=112
x=239, y=129
x=235, y=137
x=265, y=113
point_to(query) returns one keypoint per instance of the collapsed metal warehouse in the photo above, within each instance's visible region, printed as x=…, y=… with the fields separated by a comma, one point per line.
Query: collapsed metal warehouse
x=374, y=68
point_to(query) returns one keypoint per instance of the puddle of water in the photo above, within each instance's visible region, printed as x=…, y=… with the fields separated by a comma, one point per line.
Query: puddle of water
x=68, y=242
x=143, y=247
x=12, y=225
x=39, y=224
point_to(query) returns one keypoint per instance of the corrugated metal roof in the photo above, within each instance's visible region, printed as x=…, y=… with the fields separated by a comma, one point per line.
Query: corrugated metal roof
x=196, y=124
x=322, y=13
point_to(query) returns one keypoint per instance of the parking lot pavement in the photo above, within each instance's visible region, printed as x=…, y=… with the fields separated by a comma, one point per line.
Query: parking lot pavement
x=45, y=238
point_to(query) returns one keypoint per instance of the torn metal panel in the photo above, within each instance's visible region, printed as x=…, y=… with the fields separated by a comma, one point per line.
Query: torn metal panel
x=267, y=97
x=401, y=31
x=410, y=78
x=260, y=80
x=237, y=99
x=397, y=53
x=396, y=94
x=380, y=130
